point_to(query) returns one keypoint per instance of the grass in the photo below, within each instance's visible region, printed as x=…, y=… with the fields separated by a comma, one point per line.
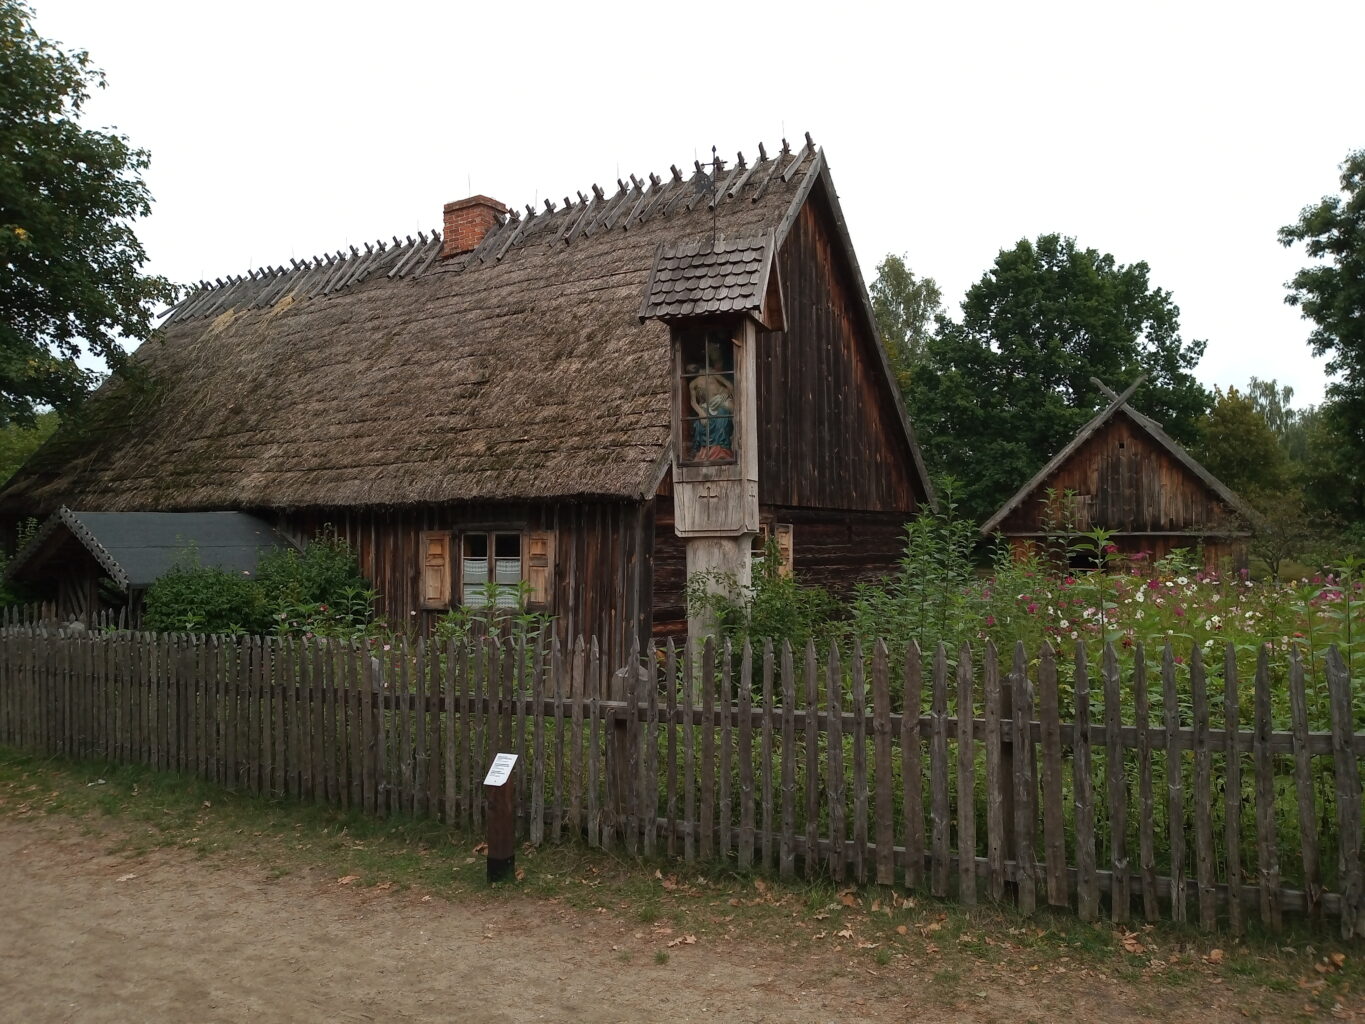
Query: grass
x=136, y=811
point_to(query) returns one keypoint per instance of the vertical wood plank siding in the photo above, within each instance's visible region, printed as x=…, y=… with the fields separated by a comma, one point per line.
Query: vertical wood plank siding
x=1135, y=487
x=829, y=435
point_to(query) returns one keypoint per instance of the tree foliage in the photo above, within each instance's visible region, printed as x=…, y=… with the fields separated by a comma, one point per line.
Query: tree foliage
x=1237, y=445
x=69, y=259
x=18, y=442
x=1331, y=293
x=906, y=307
x=1003, y=390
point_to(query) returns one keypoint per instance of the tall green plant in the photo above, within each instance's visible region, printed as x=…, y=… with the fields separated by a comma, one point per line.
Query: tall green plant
x=929, y=598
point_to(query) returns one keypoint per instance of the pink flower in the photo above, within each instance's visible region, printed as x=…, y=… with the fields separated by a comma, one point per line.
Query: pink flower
x=1179, y=611
x=990, y=620
x=1032, y=607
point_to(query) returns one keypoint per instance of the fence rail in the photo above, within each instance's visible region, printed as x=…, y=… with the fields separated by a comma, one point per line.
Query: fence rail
x=1078, y=783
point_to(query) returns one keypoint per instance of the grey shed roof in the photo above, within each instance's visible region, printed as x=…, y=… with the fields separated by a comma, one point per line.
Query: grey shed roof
x=137, y=548
x=706, y=278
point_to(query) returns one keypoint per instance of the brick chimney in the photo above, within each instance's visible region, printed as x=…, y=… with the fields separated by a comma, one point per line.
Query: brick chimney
x=467, y=221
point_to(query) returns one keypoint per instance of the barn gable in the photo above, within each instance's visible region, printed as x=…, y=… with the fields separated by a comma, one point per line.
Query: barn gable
x=833, y=429
x=1124, y=474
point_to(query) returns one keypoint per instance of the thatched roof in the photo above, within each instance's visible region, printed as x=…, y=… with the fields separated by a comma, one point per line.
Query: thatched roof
x=389, y=377
x=1119, y=406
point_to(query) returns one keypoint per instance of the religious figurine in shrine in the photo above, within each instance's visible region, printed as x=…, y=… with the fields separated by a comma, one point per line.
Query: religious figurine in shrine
x=711, y=393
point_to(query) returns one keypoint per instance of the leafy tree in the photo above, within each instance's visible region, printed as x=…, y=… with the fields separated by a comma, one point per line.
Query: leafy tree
x=1272, y=401
x=1238, y=446
x=18, y=442
x=905, y=307
x=1003, y=390
x=69, y=260
x=1331, y=293
x=1332, y=474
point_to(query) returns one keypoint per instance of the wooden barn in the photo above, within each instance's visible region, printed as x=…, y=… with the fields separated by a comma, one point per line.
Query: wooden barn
x=581, y=401
x=1124, y=474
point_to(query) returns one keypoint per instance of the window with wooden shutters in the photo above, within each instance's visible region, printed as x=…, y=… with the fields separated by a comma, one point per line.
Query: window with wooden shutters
x=540, y=570
x=435, y=582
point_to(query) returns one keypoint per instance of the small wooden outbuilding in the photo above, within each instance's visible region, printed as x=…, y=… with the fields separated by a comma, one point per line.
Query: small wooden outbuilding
x=1124, y=474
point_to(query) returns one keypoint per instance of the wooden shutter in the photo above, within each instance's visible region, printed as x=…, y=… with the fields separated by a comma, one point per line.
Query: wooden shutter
x=782, y=533
x=538, y=568
x=436, y=565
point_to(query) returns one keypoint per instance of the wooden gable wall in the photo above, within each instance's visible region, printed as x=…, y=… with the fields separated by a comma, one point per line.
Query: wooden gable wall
x=1133, y=485
x=829, y=432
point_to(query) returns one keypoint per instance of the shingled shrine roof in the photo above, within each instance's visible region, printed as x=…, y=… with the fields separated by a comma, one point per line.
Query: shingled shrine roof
x=389, y=376
x=706, y=278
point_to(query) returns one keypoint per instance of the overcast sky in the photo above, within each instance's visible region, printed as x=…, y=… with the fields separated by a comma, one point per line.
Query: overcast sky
x=1182, y=134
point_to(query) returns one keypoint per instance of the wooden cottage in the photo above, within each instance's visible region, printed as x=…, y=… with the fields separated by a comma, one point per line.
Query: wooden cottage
x=578, y=401
x=1124, y=474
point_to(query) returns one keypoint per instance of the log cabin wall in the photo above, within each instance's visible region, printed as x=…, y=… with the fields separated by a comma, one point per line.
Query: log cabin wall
x=602, y=581
x=1127, y=482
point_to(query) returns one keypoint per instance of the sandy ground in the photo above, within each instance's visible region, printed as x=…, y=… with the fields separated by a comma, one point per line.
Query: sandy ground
x=86, y=935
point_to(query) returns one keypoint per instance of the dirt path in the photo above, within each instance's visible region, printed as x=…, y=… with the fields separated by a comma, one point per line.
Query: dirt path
x=86, y=935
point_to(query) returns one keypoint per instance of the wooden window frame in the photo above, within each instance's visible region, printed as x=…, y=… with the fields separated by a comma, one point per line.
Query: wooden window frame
x=533, y=546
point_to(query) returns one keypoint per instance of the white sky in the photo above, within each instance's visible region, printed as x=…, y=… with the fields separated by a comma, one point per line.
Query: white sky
x=1182, y=134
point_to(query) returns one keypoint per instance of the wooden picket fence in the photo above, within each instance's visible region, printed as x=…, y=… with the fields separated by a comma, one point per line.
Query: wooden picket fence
x=1073, y=784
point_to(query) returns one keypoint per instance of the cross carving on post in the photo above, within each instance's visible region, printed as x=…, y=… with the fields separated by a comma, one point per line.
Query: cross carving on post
x=710, y=491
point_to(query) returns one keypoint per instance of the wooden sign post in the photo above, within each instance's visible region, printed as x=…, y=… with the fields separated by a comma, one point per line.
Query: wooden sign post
x=500, y=792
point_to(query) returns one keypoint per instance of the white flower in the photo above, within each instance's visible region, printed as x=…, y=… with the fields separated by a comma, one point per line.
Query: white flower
x=1063, y=624
x=1138, y=596
x=1139, y=614
x=1181, y=580
x=1214, y=622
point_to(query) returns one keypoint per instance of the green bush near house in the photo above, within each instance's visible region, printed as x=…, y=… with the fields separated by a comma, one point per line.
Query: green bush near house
x=315, y=592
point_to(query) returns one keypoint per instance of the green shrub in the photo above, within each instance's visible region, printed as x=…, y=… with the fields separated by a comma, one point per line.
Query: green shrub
x=194, y=598
x=315, y=592
x=773, y=607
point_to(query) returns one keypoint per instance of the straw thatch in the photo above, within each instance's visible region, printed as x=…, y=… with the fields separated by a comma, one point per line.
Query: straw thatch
x=519, y=371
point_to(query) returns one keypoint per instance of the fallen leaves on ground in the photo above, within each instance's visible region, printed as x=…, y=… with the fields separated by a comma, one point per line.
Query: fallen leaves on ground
x=683, y=940
x=347, y=879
